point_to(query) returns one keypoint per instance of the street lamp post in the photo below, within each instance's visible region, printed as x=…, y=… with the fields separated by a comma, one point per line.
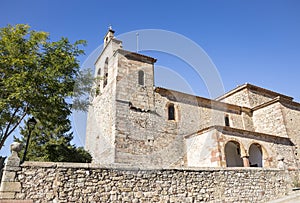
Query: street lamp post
x=30, y=124
x=1, y=131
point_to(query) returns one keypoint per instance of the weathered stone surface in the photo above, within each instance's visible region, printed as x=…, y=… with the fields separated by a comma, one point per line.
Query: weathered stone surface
x=7, y=195
x=11, y=168
x=11, y=186
x=91, y=183
x=13, y=161
x=16, y=201
x=128, y=120
x=9, y=176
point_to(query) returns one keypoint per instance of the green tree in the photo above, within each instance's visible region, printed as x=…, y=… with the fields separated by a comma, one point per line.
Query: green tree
x=52, y=145
x=37, y=78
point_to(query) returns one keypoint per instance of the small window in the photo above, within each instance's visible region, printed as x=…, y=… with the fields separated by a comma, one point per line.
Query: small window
x=105, y=79
x=171, y=112
x=141, y=77
x=227, y=120
x=98, y=82
x=105, y=73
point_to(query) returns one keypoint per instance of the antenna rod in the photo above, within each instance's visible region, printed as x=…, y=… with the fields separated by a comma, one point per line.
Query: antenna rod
x=137, y=42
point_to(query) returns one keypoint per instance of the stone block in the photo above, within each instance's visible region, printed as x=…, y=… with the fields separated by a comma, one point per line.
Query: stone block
x=10, y=187
x=7, y=195
x=16, y=201
x=12, y=168
x=9, y=176
x=13, y=161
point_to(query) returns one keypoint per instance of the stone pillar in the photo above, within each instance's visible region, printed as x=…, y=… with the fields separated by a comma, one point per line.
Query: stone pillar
x=10, y=186
x=246, y=161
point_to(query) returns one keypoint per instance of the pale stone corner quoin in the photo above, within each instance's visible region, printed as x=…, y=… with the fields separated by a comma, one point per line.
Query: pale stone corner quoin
x=10, y=185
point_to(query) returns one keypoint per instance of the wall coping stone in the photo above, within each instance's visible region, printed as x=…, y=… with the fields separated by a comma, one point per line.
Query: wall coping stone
x=130, y=168
x=16, y=201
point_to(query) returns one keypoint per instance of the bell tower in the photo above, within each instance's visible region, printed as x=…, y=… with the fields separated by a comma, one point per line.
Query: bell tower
x=101, y=119
x=124, y=98
x=109, y=35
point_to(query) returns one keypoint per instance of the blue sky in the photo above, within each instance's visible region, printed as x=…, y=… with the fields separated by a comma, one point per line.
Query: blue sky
x=248, y=41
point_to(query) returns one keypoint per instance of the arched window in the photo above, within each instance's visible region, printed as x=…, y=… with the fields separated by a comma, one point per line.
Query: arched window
x=105, y=77
x=227, y=120
x=98, y=81
x=171, y=112
x=233, y=154
x=141, y=80
x=255, y=155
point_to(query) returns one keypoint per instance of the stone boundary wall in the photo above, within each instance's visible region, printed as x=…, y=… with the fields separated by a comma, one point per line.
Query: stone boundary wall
x=70, y=182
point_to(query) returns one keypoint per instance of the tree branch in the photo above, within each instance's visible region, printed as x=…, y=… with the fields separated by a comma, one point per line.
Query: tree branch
x=7, y=131
x=19, y=121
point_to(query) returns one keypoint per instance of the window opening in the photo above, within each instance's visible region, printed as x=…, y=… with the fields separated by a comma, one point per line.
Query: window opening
x=171, y=112
x=141, y=80
x=227, y=120
x=105, y=73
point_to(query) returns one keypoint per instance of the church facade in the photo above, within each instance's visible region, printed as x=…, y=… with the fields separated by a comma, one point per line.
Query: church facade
x=132, y=122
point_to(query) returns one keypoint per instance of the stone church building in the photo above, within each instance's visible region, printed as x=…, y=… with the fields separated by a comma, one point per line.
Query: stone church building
x=132, y=122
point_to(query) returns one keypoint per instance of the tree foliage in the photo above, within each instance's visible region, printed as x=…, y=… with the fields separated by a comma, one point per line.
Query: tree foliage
x=52, y=145
x=37, y=78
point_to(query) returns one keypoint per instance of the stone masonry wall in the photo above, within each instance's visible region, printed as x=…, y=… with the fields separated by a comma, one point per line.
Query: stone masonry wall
x=207, y=148
x=257, y=98
x=240, y=98
x=144, y=135
x=62, y=182
x=149, y=138
x=100, y=130
x=269, y=120
x=291, y=115
x=247, y=98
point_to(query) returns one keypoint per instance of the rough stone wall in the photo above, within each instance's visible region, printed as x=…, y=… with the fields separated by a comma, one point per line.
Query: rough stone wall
x=247, y=98
x=128, y=122
x=128, y=88
x=269, y=119
x=61, y=182
x=257, y=98
x=240, y=98
x=100, y=130
x=247, y=121
x=270, y=151
x=208, y=148
x=134, y=107
x=148, y=138
x=291, y=116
